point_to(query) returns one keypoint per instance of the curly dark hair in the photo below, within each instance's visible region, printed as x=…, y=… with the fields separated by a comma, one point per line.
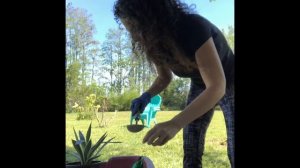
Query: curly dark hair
x=155, y=23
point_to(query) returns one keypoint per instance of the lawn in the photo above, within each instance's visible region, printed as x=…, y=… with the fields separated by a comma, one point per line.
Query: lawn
x=167, y=156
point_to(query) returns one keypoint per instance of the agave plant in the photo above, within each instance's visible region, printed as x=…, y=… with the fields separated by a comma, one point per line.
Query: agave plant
x=86, y=152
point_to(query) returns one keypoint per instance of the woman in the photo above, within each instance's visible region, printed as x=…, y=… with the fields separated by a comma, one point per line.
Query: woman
x=177, y=40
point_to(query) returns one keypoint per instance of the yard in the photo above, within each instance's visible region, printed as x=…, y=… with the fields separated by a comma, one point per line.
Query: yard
x=167, y=156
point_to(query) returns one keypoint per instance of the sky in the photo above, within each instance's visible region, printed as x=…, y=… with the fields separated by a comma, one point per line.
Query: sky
x=219, y=12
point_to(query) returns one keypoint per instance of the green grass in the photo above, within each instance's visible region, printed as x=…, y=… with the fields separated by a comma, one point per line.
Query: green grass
x=167, y=156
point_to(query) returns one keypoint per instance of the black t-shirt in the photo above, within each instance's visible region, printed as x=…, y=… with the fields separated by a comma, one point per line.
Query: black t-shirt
x=193, y=31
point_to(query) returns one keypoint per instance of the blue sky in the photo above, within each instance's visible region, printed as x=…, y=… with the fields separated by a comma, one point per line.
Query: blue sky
x=219, y=12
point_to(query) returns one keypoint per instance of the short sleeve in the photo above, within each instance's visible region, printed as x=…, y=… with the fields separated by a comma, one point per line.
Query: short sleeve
x=193, y=32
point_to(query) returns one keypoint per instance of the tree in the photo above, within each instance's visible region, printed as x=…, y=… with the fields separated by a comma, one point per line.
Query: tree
x=79, y=38
x=174, y=97
x=72, y=81
x=82, y=57
x=117, y=59
x=229, y=35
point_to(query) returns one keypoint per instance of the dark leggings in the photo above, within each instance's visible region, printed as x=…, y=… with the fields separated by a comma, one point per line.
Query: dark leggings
x=194, y=133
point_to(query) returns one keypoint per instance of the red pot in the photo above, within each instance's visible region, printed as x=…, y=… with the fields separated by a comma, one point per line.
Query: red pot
x=116, y=162
x=127, y=162
x=95, y=164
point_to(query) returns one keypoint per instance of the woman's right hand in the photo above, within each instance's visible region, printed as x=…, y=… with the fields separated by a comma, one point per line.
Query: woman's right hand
x=161, y=133
x=139, y=104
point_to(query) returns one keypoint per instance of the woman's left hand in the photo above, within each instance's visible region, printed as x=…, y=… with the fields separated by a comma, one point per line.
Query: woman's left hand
x=161, y=133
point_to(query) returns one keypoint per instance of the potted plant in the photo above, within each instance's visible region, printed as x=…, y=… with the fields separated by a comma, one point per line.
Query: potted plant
x=86, y=152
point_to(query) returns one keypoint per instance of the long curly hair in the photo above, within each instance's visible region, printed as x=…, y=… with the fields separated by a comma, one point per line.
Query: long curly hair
x=154, y=27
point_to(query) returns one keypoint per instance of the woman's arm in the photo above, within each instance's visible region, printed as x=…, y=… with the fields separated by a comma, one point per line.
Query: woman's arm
x=162, y=81
x=213, y=76
x=212, y=73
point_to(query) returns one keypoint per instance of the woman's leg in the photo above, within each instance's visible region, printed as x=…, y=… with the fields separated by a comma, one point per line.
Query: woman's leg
x=227, y=105
x=194, y=133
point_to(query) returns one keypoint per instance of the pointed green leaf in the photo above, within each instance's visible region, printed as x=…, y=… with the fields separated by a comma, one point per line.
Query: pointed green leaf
x=81, y=136
x=79, y=142
x=87, y=150
x=88, y=134
x=97, y=144
x=105, y=143
x=92, y=158
x=75, y=155
x=79, y=151
x=75, y=134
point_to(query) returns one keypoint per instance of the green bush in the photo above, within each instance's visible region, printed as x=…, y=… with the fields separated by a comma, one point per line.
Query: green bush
x=85, y=116
x=122, y=102
x=174, y=97
x=87, y=112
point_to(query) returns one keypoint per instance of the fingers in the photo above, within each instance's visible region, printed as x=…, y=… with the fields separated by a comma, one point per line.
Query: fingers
x=135, y=107
x=161, y=140
x=149, y=134
x=132, y=105
x=164, y=141
x=131, y=108
x=156, y=137
x=152, y=138
x=138, y=105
